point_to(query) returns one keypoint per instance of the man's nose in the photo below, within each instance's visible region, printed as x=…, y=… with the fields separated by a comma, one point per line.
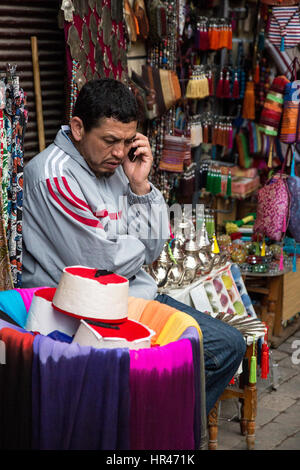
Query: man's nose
x=119, y=150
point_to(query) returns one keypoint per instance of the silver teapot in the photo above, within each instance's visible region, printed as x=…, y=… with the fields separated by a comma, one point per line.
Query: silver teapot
x=207, y=259
x=160, y=268
x=191, y=263
x=176, y=273
x=184, y=231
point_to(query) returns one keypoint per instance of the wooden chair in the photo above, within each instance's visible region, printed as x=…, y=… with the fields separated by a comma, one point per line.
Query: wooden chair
x=247, y=396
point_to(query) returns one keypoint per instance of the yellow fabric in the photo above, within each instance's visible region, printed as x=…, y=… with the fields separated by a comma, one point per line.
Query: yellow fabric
x=136, y=307
x=175, y=326
x=155, y=316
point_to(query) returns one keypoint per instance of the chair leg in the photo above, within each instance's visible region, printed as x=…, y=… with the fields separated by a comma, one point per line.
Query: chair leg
x=213, y=427
x=250, y=414
x=243, y=421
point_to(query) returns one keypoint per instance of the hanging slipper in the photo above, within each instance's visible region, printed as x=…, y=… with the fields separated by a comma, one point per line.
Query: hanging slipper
x=130, y=21
x=141, y=16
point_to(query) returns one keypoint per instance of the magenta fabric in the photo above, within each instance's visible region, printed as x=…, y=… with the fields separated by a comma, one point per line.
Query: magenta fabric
x=27, y=295
x=162, y=397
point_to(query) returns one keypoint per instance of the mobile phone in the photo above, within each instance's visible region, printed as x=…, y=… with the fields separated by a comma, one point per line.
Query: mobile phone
x=131, y=155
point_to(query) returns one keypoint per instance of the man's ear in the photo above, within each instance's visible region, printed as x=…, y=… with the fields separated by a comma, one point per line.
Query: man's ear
x=77, y=128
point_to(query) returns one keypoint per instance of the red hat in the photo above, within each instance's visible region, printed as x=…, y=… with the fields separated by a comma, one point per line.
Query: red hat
x=100, y=300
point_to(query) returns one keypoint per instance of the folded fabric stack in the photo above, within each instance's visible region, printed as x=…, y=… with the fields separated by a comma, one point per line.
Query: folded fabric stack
x=176, y=151
x=80, y=397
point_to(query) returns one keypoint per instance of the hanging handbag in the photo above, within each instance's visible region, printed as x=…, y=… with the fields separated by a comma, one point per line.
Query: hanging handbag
x=280, y=2
x=289, y=132
x=293, y=182
x=166, y=85
x=145, y=96
x=273, y=207
x=158, y=20
x=284, y=27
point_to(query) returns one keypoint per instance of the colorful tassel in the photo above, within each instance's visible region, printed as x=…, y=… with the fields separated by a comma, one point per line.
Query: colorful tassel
x=210, y=83
x=293, y=165
x=226, y=87
x=220, y=85
x=284, y=225
x=216, y=248
x=270, y=157
x=281, y=267
x=248, y=111
x=228, y=186
x=295, y=258
x=282, y=44
x=253, y=365
x=256, y=74
x=261, y=41
x=230, y=137
x=263, y=248
x=264, y=365
x=236, y=87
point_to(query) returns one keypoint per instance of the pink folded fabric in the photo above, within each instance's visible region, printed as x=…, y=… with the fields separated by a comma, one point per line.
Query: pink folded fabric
x=162, y=397
x=27, y=295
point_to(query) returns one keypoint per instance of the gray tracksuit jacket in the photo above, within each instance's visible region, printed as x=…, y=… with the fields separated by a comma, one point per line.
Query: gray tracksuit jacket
x=71, y=217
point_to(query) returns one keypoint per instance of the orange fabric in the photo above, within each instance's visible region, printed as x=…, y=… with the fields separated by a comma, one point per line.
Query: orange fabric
x=136, y=307
x=155, y=316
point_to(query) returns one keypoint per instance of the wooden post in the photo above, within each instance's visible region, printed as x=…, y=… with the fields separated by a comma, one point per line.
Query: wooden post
x=37, y=91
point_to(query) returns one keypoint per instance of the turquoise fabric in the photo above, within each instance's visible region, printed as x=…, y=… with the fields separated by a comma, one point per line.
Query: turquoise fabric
x=12, y=304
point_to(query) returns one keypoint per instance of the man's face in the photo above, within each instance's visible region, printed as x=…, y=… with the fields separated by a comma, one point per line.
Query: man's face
x=105, y=147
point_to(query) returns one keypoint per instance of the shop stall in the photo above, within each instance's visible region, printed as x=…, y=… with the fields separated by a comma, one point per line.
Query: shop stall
x=217, y=87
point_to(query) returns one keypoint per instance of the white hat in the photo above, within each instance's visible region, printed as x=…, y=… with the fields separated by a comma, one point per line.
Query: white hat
x=100, y=300
x=43, y=318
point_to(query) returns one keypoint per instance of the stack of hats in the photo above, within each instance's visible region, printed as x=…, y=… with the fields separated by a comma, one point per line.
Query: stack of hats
x=91, y=305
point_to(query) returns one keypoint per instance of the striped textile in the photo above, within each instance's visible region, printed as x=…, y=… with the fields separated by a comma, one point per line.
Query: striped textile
x=285, y=22
x=289, y=116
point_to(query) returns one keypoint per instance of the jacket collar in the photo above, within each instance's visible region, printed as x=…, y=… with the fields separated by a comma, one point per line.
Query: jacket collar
x=63, y=141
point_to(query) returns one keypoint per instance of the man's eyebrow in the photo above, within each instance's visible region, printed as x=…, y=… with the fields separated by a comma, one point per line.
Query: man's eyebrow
x=117, y=139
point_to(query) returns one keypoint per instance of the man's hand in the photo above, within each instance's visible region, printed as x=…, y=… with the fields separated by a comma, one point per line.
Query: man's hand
x=138, y=171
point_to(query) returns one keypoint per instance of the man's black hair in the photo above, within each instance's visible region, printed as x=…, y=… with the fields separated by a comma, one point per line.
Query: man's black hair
x=105, y=98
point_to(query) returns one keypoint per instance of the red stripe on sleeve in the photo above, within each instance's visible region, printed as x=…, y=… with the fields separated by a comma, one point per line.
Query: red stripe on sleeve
x=83, y=220
x=77, y=199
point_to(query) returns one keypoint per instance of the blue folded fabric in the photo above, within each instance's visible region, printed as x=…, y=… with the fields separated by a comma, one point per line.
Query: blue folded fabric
x=12, y=304
x=59, y=336
x=80, y=397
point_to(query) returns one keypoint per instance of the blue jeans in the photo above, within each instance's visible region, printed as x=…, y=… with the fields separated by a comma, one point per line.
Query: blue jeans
x=224, y=349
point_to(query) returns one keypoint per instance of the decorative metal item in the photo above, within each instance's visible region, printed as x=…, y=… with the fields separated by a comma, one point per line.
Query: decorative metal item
x=94, y=29
x=68, y=8
x=159, y=270
x=85, y=37
x=117, y=10
x=106, y=24
x=99, y=7
x=191, y=261
x=74, y=42
x=92, y=4
x=184, y=231
x=81, y=7
x=98, y=55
